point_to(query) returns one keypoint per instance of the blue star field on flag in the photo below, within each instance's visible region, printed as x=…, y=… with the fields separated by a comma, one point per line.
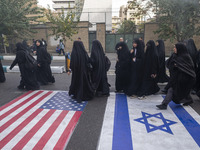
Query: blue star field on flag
x=62, y=101
x=151, y=127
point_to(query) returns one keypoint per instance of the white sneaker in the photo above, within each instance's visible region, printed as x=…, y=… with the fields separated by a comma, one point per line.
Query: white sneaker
x=142, y=98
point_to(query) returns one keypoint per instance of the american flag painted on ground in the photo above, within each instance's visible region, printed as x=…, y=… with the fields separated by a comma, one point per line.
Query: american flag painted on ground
x=132, y=124
x=39, y=120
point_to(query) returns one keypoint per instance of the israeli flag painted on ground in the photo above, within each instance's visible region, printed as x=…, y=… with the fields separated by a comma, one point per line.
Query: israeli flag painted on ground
x=137, y=124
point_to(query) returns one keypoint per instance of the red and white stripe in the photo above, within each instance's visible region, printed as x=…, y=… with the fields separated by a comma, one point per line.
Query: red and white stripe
x=24, y=126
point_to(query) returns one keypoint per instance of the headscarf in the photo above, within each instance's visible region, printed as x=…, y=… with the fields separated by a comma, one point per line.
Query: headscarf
x=184, y=61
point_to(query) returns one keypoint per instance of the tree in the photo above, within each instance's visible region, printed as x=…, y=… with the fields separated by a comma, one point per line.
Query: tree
x=63, y=24
x=16, y=17
x=178, y=19
x=127, y=26
x=141, y=7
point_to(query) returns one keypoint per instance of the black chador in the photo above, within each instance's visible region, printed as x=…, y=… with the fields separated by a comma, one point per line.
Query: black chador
x=44, y=74
x=136, y=68
x=151, y=67
x=198, y=74
x=192, y=50
x=2, y=75
x=182, y=77
x=162, y=76
x=122, y=67
x=28, y=76
x=81, y=87
x=99, y=71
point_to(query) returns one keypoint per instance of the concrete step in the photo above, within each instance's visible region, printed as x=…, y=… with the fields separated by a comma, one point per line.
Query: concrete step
x=13, y=57
x=54, y=69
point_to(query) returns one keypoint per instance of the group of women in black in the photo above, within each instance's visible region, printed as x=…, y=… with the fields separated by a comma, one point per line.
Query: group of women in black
x=33, y=72
x=89, y=74
x=138, y=71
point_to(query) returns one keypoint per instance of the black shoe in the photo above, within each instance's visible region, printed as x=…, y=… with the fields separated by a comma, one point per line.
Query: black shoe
x=20, y=87
x=162, y=106
x=187, y=103
x=164, y=91
x=119, y=91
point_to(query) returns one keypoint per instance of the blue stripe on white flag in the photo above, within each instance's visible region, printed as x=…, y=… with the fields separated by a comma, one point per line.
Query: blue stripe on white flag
x=122, y=139
x=188, y=121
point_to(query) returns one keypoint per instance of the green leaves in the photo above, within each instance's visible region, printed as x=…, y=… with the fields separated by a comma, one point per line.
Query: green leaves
x=178, y=19
x=16, y=17
x=63, y=24
x=127, y=26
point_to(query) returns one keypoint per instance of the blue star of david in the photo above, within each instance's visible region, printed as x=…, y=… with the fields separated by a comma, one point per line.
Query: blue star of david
x=150, y=127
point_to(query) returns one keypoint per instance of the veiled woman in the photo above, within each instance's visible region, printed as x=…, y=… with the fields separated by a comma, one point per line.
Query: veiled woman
x=122, y=67
x=81, y=87
x=136, y=68
x=162, y=76
x=28, y=76
x=182, y=77
x=151, y=66
x=44, y=74
x=2, y=75
x=99, y=71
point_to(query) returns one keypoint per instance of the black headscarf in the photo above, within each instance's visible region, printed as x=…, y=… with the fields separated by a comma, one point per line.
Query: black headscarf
x=20, y=47
x=184, y=61
x=123, y=53
x=161, y=50
x=98, y=62
x=151, y=59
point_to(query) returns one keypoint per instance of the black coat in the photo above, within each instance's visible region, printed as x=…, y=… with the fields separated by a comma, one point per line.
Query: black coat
x=122, y=67
x=151, y=66
x=136, y=69
x=183, y=76
x=81, y=87
x=44, y=73
x=2, y=75
x=99, y=72
x=28, y=76
x=162, y=76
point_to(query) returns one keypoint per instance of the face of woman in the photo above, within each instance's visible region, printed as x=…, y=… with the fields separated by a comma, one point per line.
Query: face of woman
x=134, y=44
x=38, y=43
x=175, y=49
x=157, y=43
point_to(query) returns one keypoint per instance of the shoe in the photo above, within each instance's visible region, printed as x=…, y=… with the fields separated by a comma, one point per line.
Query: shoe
x=164, y=91
x=20, y=87
x=187, y=103
x=142, y=98
x=119, y=91
x=162, y=106
x=133, y=96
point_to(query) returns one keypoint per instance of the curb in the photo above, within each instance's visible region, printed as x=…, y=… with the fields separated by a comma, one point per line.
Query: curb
x=13, y=57
x=54, y=69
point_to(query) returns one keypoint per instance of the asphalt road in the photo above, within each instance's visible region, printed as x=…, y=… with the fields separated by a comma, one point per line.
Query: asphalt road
x=87, y=132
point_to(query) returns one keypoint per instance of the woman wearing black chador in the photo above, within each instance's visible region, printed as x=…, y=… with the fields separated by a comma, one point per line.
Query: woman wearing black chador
x=99, y=71
x=151, y=66
x=81, y=87
x=122, y=68
x=136, y=68
x=182, y=77
x=44, y=74
x=162, y=76
x=28, y=75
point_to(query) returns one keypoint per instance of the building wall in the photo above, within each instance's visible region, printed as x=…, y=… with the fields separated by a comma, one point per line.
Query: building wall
x=101, y=34
x=97, y=12
x=43, y=31
x=149, y=35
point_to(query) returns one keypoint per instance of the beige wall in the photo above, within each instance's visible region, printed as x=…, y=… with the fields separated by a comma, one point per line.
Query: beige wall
x=43, y=31
x=101, y=34
x=149, y=35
